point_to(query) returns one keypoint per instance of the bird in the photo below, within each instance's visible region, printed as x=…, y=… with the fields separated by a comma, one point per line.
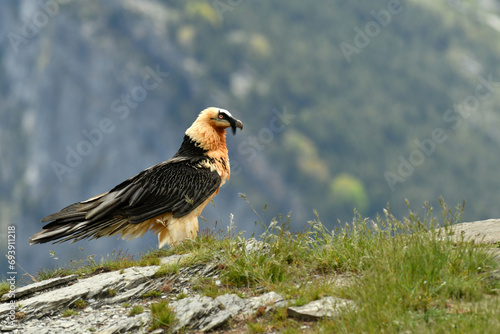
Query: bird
x=166, y=199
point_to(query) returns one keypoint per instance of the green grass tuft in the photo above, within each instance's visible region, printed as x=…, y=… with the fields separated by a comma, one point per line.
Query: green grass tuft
x=171, y=269
x=136, y=309
x=81, y=304
x=162, y=315
x=69, y=313
x=151, y=294
x=4, y=287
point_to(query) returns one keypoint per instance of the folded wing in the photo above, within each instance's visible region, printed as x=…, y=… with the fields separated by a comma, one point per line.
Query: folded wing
x=178, y=186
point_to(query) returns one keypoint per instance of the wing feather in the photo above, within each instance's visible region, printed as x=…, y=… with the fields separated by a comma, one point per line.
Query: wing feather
x=178, y=187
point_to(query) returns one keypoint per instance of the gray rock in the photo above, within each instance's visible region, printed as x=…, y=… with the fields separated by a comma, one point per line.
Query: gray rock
x=232, y=303
x=480, y=231
x=270, y=299
x=199, y=313
x=327, y=307
x=127, y=325
x=55, y=301
x=135, y=292
x=32, y=288
x=204, y=313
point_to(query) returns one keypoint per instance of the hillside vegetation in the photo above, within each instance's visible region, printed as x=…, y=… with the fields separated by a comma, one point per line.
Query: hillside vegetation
x=345, y=104
x=395, y=119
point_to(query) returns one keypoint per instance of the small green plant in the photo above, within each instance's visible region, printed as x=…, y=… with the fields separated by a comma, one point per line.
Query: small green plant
x=162, y=315
x=4, y=287
x=280, y=314
x=173, y=268
x=167, y=270
x=207, y=287
x=126, y=305
x=313, y=290
x=151, y=294
x=92, y=329
x=69, y=313
x=44, y=274
x=256, y=327
x=136, y=309
x=112, y=292
x=80, y=304
x=181, y=295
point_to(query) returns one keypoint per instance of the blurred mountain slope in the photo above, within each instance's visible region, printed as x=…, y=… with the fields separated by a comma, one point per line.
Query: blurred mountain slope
x=322, y=130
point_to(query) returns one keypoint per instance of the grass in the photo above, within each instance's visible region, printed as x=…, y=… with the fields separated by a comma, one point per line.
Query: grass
x=173, y=268
x=69, y=313
x=4, y=287
x=136, y=309
x=151, y=294
x=418, y=280
x=80, y=304
x=408, y=275
x=405, y=275
x=181, y=296
x=162, y=315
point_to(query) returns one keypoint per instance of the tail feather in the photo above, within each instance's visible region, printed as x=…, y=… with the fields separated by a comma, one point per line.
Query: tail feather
x=79, y=230
x=102, y=209
x=70, y=211
x=81, y=221
x=55, y=232
x=88, y=219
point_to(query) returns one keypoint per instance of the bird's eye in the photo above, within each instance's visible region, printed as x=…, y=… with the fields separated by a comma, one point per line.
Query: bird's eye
x=221, y=116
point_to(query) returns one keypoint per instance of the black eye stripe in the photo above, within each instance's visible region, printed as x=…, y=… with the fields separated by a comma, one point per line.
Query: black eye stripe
x=225, y=114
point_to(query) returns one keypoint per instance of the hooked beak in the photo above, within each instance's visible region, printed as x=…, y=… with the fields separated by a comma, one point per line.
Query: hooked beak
x=236, y=124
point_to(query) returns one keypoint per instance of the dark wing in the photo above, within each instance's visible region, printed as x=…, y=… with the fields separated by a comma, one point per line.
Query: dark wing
x=171, y=187
x=177, y=185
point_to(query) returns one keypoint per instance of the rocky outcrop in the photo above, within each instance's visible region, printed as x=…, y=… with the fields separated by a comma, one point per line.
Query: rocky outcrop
x=103, y=302
x=112, y=302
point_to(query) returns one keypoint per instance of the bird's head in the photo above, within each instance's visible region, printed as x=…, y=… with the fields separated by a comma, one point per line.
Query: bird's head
x=220, y=119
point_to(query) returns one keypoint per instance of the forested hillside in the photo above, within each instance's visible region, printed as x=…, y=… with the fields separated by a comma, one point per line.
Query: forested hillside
x=345, y=104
